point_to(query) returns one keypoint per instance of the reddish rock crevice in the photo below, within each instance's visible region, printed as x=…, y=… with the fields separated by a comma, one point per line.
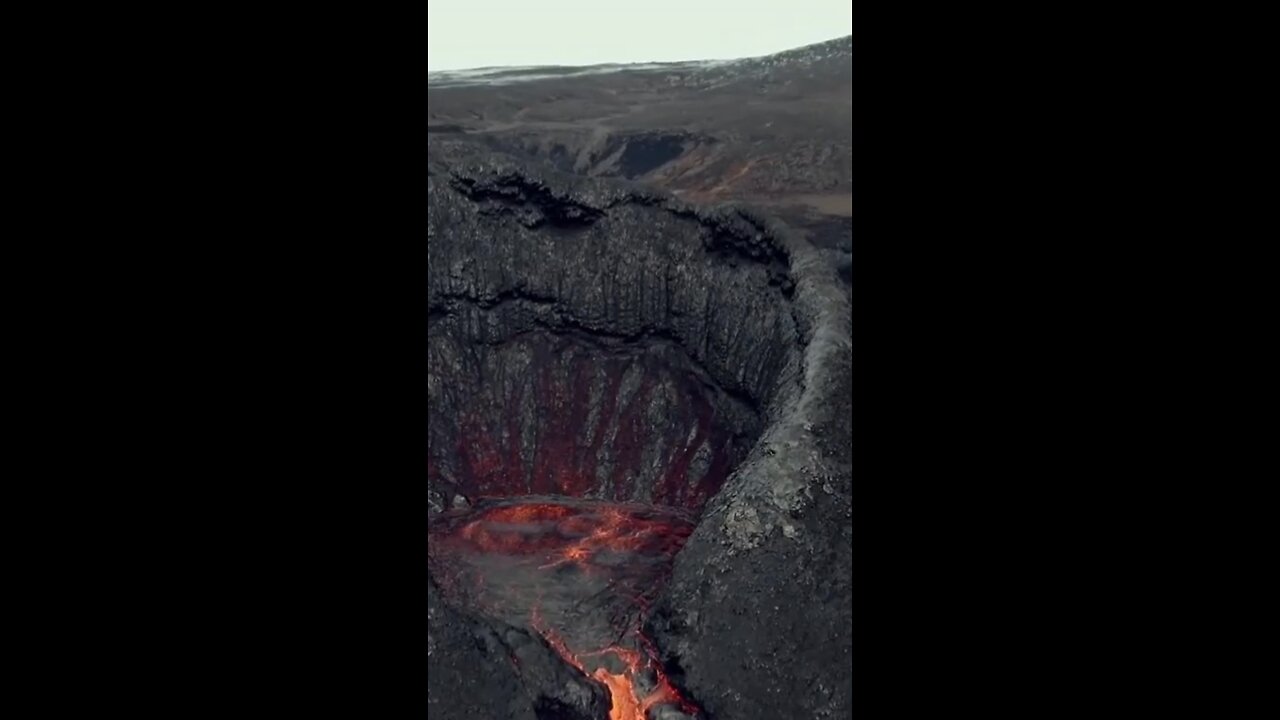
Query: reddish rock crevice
x=547, y=415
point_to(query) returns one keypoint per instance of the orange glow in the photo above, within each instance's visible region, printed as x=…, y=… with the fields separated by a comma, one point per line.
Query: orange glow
x=626, y=704
x=538, y=560
x=623, y=695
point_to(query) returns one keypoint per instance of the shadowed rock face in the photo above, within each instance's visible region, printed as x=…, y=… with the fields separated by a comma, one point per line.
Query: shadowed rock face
x=614, y=345
x=594, y=340
x=551, y=414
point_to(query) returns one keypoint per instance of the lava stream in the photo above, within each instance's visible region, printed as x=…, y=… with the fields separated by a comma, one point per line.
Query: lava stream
x=580, y=573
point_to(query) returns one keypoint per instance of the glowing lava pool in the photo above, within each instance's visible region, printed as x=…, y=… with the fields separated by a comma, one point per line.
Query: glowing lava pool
x=581, y=573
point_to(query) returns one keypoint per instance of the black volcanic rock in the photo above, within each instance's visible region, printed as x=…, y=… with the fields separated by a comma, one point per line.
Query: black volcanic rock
x=594, y=339
x=485, y=671
x=466, y=678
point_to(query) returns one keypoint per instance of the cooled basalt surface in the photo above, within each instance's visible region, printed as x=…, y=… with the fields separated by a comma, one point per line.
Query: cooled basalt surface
x=601, y=346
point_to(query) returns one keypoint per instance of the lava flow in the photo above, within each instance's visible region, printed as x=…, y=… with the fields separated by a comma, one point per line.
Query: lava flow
x=581, y=573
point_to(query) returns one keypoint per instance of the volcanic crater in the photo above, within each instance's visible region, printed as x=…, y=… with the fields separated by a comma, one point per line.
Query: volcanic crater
x=625, y=393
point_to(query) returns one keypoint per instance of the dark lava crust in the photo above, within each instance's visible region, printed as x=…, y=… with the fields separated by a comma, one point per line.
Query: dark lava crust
x=590, y=339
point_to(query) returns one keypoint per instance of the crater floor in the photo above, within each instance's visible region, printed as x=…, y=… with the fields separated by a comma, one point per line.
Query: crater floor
x=580, y=573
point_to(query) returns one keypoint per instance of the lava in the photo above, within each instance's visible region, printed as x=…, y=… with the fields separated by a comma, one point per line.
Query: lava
x=628, y=701
x=580, y=573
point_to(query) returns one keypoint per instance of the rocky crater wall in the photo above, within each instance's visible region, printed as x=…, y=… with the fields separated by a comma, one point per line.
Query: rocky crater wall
x=595, y=343
x=594, y=339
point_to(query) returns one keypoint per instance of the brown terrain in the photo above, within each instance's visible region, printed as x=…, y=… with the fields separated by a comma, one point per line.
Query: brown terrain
x=773, y=132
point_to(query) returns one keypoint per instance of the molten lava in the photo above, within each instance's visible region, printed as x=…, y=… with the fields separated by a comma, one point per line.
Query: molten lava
x=580, y=573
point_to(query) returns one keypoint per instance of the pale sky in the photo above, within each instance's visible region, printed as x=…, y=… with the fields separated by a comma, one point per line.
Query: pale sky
x=478, y=33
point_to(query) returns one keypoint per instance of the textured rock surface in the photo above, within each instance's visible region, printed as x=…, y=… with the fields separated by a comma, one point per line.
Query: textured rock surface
x=774, y=131
x=757, y=128
x=759, y=611
x=594, y=339
x=464, y=678
x=478, y=671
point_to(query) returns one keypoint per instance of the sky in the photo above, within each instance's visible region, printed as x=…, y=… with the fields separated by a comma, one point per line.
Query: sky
x=481, y=33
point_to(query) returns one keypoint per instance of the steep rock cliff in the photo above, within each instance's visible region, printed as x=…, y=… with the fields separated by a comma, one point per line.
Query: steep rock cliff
x=593, y=339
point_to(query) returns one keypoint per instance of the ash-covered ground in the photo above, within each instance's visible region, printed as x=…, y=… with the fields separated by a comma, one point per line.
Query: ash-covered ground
x=773, y=131
x=639, y=450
